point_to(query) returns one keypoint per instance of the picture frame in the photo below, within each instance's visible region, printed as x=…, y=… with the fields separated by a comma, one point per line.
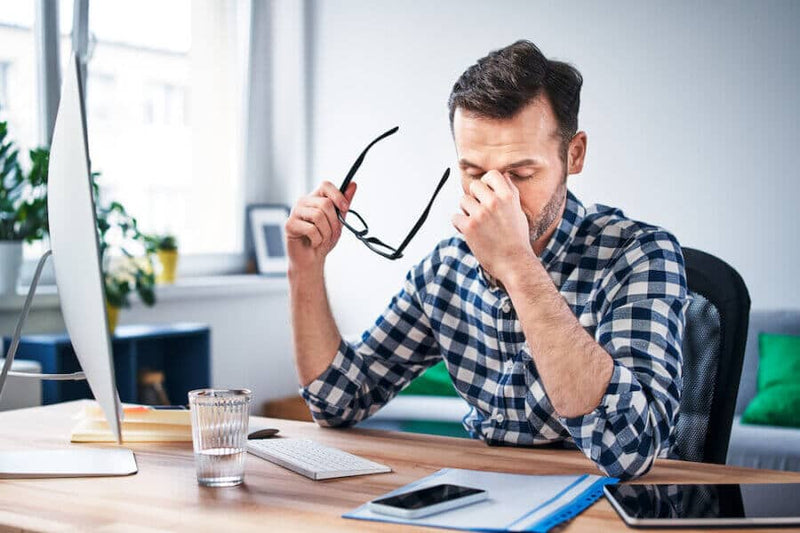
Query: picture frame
x=266, y=237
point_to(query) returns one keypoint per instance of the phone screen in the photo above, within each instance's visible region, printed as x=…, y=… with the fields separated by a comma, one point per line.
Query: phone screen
x=418, y=499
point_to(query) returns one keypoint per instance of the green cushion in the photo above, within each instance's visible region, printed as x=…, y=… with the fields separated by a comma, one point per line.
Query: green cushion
x=776, y=406
x=777, y=402
x=433, y=382
x=446, y=429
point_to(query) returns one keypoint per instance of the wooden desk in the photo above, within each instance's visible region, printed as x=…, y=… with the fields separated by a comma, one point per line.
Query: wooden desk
x=165, y=495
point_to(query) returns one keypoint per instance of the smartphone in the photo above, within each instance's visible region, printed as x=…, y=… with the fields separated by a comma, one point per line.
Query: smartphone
x=427, y=501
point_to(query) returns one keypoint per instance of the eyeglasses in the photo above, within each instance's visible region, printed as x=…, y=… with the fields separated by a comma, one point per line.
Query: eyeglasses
x=353, y=221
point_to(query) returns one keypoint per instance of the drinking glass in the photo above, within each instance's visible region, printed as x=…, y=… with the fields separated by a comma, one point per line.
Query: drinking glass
x=219, y=434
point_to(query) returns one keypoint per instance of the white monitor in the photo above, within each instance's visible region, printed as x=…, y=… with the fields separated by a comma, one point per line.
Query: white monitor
x=76, y=255
x=76, y=252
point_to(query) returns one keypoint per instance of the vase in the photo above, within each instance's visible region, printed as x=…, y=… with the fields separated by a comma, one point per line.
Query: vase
x=10, y=264
x=113, y=317
x=169, y=266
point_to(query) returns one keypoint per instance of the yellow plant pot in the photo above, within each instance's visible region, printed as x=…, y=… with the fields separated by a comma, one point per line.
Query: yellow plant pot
x=169, y=266
x=113, y=318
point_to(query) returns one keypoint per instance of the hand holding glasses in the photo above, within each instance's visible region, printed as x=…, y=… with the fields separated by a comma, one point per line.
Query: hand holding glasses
x=353, y=221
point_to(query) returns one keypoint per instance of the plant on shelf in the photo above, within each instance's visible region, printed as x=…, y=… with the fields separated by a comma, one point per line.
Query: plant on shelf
x=124, y=250
x=166, y=248
x=127, y=265
x=23, y=206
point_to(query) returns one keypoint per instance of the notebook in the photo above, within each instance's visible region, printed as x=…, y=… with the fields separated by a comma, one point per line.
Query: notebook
x=141, y=423
x=516, y=502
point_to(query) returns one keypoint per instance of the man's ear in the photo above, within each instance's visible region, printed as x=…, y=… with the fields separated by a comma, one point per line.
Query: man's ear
x=576, y=153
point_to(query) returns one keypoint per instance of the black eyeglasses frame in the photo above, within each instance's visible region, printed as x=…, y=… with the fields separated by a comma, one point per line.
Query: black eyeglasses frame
x=373, y=243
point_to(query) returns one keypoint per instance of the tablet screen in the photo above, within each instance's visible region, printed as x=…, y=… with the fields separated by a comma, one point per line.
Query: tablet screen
x=711, y=502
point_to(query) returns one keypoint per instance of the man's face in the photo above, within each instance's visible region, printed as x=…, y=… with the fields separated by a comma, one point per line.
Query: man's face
x=527, y=149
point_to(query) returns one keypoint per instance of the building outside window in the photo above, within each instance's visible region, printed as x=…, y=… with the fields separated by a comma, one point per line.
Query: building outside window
x=18, y=94
x=164, y=109
x=164, y=112
x=165, y=104
x=4, y=68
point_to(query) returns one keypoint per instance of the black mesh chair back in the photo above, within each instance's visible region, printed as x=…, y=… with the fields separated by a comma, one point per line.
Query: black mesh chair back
x=713, y=351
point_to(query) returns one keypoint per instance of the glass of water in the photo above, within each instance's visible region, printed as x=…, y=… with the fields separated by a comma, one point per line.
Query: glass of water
x=219, y=434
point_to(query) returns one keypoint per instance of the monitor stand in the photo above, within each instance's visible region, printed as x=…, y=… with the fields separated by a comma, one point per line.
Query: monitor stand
x=75, y=461
x=72, y=461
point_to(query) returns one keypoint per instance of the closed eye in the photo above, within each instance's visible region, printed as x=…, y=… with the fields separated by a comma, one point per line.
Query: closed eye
x=476, y=175
x=520, y=177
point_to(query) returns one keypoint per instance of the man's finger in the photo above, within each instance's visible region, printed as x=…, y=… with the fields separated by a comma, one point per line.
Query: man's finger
x=459, y=220
x=312, y=233
x=480, y=191
x=498, y=182
x=326, y=206
x=469, y=205
x=329, y=190
x=316, y=216
x=296, y=228
x=350, y=192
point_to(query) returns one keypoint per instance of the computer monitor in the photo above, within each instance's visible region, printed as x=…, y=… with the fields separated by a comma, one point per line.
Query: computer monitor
x=76, y=252
x=76, y=255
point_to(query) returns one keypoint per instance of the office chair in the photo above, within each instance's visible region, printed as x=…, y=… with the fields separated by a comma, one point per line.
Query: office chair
x=713, y=351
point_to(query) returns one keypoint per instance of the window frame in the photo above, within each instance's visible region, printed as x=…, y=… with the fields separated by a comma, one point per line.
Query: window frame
x=47, y=56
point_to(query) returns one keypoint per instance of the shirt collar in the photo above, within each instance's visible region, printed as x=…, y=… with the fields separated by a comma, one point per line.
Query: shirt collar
x=574, y=213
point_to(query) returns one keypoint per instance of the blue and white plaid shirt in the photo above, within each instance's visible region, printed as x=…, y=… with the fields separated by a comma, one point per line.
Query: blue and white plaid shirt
x=624, y=281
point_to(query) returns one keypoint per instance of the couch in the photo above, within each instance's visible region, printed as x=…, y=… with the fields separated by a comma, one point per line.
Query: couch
x=763, y=446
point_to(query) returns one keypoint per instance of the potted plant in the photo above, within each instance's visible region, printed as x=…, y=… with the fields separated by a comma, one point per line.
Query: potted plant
x=123, y=275
x=127, y=267
x=23, y=206
x=166, y=248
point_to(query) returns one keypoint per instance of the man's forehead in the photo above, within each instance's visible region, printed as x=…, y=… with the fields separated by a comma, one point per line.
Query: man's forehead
x=534, y=123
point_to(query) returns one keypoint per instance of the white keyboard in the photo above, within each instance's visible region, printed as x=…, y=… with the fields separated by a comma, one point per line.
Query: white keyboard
x=312, y=459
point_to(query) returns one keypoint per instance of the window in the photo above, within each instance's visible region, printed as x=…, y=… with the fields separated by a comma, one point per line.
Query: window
x=101, y=104
x=163, y=112
x=165, y=104
x=18, y=73
x=164, y=100
x=4, y=68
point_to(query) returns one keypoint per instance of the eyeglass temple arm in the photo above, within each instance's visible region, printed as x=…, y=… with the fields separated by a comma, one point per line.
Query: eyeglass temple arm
x=360, y=159
x=424, y=215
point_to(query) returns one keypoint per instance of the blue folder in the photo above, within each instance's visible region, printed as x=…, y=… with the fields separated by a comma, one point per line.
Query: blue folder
x=516, y=502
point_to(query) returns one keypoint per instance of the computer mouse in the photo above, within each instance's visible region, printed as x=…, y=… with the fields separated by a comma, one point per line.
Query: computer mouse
x=263, y=433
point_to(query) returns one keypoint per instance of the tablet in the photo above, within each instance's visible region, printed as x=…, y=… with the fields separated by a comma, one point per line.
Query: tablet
x=768, y=504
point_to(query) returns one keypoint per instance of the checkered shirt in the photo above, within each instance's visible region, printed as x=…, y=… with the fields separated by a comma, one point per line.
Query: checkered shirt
x=624, y=280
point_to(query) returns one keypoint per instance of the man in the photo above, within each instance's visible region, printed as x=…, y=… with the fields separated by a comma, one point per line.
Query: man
x=557, y=322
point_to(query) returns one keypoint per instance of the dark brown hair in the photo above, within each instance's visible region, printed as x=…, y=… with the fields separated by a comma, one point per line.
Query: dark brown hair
x=502, y=83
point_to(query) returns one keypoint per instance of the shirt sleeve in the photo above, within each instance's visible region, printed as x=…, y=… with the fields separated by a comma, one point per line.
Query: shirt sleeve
x=365, y=375
x=641, y=327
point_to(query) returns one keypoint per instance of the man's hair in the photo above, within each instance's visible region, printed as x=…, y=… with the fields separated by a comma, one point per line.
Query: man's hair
x=499, y=85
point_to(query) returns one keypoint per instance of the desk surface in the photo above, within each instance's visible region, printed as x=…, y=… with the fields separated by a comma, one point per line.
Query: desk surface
x=165, y=495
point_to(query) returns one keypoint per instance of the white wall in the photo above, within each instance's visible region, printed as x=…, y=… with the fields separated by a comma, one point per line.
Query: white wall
x=691, y=108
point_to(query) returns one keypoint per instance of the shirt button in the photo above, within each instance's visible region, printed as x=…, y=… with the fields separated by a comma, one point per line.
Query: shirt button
x=507, y=307
x=500, y=418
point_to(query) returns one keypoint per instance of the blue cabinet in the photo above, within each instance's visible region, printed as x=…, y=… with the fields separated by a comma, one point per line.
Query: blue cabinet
x=181, y=351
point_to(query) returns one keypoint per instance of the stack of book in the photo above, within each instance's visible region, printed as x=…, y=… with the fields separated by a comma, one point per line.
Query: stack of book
x=141, y=423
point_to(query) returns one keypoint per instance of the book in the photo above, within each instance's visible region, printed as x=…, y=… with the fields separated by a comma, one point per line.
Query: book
x=141, y=423
x=517, y=502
